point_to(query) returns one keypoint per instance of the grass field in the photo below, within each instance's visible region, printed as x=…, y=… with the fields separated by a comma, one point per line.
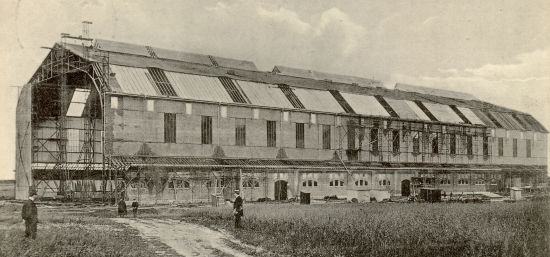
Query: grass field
x=70, y=234
x=496, y=229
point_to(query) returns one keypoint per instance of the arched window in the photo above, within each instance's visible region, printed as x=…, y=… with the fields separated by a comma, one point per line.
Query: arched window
x=384, y=182
x=361, y=183
x=336, y=183
x=463, y=181
x=178, y=183
x=445, y=181
x=480, y=182
x=493, y=182
x=309, y=183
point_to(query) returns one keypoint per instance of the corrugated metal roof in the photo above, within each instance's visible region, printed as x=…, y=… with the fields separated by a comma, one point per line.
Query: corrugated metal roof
x=318, y=100
x=198, y=87
x=470, y=116
x=183, y=56
x=524, y=122
x=365, y=104
x=264, y=94
x=535, y=123
x=507, y=121
x=317, y=75
x=434, y=91
x=121, y=47
x=134, y=80
x=484, y=118
x=402, y=109
x=510, y=119
x=443, y=113
x=236, y=64
x=414, y=107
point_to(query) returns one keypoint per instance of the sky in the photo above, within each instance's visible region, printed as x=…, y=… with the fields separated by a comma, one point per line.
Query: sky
x=498, y=51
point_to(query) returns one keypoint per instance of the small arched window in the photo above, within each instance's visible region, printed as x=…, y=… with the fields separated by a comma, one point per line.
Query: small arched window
x=384, y=182
x=493, y=182
x=445, y=181
x=463, y=181
x=309, y=183
x=251, y=184
x=336, y=183
x=361, y=183
x=480, y=182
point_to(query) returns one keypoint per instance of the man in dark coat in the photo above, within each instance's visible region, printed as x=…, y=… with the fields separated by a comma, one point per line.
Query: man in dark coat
x=30, y=214
x=238, y=209
x=135, y=206
x=121, y=208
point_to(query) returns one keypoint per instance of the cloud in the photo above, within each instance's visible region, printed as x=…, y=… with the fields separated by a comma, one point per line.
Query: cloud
x=286, y=17
x=530, y=66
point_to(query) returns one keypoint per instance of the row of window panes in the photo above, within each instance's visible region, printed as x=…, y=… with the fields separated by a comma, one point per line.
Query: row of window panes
x=240, y=137
x=528, y=146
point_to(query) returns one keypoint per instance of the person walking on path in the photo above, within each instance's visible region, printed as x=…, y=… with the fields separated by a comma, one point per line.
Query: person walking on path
x=135, y=206
x=238, y=209
x=30, y=214
x=121, y=208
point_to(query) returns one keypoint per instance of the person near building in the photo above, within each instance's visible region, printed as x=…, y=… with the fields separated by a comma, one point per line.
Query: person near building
x=30, y=214
x=122, y=208
x=135, y=206
x=238, y=209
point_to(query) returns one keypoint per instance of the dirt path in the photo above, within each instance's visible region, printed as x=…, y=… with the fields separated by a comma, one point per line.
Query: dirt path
x=185, y=238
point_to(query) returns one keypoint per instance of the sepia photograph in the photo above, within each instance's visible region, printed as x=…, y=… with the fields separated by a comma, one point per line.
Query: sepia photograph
x=274, y=128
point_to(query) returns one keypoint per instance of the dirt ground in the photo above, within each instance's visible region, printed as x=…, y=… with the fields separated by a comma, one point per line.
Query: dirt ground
x=185, y=238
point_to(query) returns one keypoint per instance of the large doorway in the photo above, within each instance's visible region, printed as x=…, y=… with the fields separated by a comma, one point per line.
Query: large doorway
x=280, y=190
x=405, y=187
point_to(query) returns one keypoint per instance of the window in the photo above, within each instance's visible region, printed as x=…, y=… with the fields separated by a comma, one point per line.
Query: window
x=374, y=140
x=480, y=182
x=463, y=181
x=169, y=127
x=515, y=147
x=361, y=183
x=336, y=183
x=291, y=96
x=452, y=144
x=384, y=182
x=114, y=102
x=469, y=145
x=251, y=184
x=351, y=134
x=493, y=182
x=161, y=82
x=271, y=133
x=150, y=105
x=326, y=137
x=309, y=183
x=445, y=181
x=486, y=146
x=206, y=130
x=240, y=132
x=299, y=135
x=395, y=141
x=435, y=143
x=416, y=144
x=528, y=147
x=500, y=146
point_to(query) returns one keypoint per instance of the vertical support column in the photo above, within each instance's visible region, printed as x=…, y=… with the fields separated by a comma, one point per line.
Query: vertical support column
x=395, y=180
x=372, y=179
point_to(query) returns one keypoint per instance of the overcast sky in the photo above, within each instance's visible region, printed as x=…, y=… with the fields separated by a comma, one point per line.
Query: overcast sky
x=497, y=50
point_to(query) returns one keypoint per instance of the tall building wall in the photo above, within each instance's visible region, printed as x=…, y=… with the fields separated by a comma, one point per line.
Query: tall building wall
x=23, y=144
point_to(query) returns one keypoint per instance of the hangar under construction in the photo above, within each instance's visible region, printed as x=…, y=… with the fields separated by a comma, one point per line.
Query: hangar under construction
x=101, y=120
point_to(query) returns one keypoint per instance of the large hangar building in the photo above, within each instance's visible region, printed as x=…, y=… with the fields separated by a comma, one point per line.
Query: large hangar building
x=104, y=119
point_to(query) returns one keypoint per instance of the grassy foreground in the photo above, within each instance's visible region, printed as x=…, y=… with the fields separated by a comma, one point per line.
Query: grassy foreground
x=496, y=229
x=70, y=234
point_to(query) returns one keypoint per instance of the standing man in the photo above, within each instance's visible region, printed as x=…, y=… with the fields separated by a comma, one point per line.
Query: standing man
x=238, y=209
x=121, y=208
x=30, y=215
x=135, y=206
